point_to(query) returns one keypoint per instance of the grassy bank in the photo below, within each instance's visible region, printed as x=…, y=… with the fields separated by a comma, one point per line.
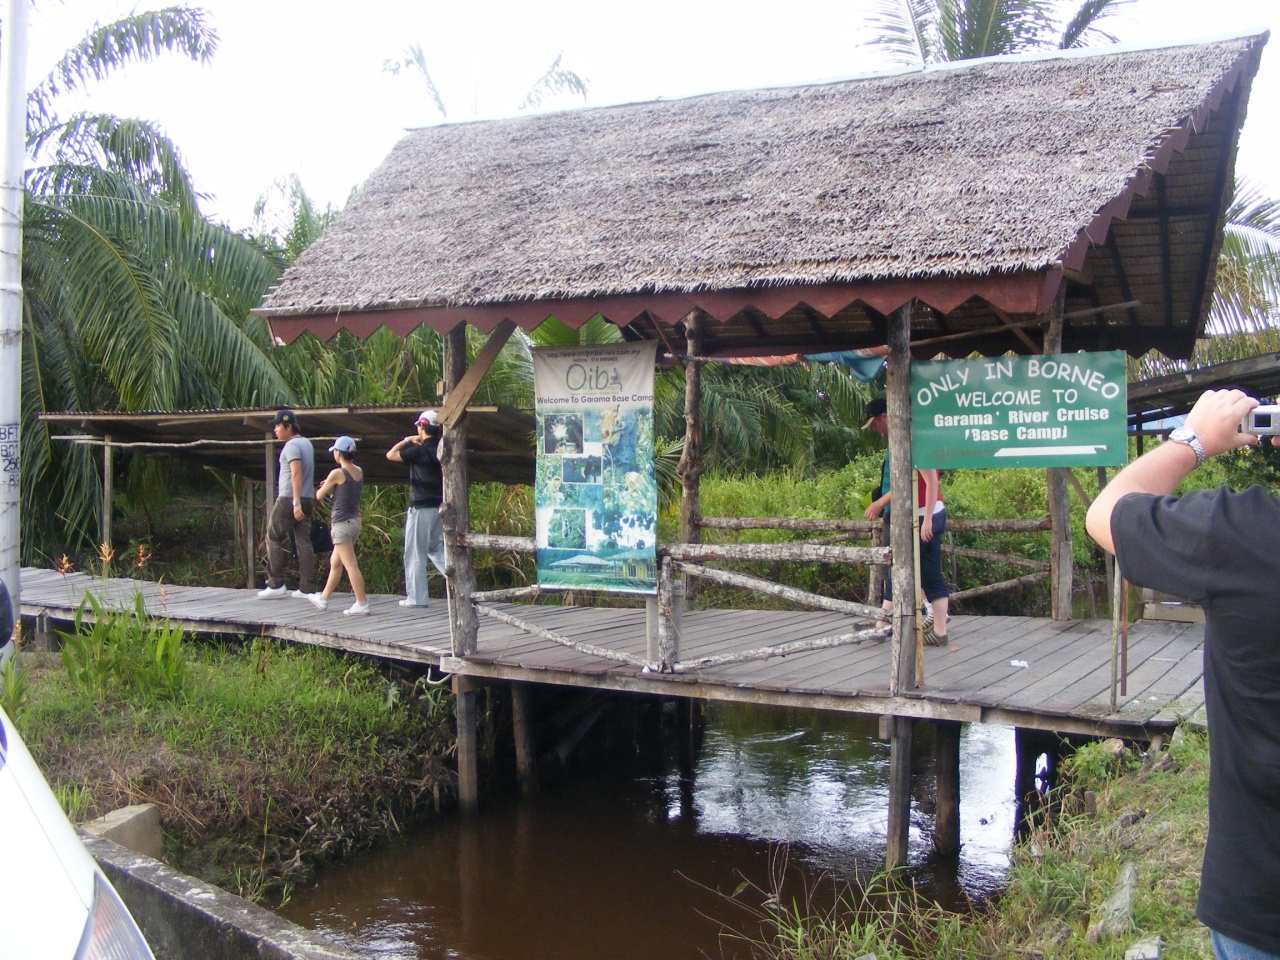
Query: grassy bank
x=264, y=759
x=1148, y=810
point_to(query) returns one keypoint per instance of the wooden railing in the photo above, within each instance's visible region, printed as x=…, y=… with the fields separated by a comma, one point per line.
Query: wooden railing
x=679, y=560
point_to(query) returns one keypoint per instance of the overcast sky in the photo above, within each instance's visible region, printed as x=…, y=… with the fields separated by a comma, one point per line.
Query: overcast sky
x=298, y=86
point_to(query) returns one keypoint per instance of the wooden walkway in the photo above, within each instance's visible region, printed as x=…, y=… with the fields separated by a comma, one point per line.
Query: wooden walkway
x=1064, y=686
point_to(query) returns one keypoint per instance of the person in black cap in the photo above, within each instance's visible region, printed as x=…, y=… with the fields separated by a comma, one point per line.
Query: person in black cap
x=929, y=505
x=423, y=533
x=295, y=503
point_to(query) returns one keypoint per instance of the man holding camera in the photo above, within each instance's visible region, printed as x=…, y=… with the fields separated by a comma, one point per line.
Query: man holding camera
x=423, y=533
x=1218, y=548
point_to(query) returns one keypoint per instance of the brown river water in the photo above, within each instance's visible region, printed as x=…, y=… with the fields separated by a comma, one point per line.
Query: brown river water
x=615, y=866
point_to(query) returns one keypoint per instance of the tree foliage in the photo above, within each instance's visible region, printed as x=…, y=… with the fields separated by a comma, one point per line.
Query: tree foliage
x=132, y=299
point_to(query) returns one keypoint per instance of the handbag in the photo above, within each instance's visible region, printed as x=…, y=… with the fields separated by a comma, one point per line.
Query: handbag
x=321, y=538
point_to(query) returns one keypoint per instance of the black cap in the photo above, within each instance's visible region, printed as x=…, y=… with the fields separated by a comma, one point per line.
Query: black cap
x=875, y=406
x=285, y=416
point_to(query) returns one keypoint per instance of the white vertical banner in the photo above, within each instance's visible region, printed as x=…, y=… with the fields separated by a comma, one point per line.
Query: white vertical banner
x=596, y=493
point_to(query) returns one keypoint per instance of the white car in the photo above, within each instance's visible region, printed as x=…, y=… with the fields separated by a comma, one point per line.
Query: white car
x=56, y=903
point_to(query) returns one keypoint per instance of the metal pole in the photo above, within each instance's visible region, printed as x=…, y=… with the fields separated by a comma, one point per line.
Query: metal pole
x=13, y=90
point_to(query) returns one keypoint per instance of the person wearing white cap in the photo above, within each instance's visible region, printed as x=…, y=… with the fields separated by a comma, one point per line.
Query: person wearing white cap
x=423, y=533
x=346, y=482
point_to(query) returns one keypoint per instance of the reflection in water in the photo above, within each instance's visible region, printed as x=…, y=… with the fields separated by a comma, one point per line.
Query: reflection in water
x=627, y=867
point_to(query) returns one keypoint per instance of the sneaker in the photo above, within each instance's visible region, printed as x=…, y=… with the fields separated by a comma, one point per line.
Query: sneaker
x=270, y=592
x=299, y=595
x=928, y=634
x=406, y=602
x=319, y=601
x=356, y=610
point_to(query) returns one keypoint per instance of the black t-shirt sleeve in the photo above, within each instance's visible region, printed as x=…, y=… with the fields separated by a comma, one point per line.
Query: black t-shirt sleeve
x=1165, y=542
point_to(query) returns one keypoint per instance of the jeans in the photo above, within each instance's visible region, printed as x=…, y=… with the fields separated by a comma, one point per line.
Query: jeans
x=423, y=541
x=280, y=526
x=1224, y=948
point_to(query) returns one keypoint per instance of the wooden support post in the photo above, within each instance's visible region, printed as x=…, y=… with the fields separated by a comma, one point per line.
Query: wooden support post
x=691, y=467
x=1060, y=585
x=901, y=536
x=268, y=486
x=464, y=697
x=896, y=847
x=946, y=763
x=248, y=539
x=455, y=509
x=108, y=488
x=526, y=749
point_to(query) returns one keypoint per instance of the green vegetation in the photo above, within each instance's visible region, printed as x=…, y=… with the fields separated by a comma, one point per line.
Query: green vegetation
x=1150, y=811
x=264, y=759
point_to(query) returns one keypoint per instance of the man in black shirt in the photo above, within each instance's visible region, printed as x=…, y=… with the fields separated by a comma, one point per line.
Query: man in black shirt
x=423, y=533
x=1218, y=548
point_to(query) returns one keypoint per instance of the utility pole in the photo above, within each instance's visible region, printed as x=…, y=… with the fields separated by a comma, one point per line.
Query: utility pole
x=13, y=138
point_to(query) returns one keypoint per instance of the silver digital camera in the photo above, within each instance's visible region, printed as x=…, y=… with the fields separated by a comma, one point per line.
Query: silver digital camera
x=1263, y=421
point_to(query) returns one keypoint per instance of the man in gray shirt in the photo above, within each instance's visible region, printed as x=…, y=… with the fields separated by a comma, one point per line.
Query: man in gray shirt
x=295, y=503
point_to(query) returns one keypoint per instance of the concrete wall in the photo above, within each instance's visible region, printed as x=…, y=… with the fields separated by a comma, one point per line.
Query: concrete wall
x=187, y=919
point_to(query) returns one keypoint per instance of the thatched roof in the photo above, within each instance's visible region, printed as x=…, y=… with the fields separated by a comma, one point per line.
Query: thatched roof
x=801, y=215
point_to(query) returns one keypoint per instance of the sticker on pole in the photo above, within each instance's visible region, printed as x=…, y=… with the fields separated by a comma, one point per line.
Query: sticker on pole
x=1061, y=410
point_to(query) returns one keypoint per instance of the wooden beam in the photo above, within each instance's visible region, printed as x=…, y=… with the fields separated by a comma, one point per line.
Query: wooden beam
x=1016, y=329
x=457, y=398
x=464, y=699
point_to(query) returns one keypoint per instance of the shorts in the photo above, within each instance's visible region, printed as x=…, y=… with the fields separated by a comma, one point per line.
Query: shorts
x=346, y=531
x=932, y=584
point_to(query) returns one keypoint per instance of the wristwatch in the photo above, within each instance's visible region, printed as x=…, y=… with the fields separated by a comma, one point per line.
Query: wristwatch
x=1188, y=436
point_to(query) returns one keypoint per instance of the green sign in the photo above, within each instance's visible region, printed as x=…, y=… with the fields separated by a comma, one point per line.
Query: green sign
x=1062, y=410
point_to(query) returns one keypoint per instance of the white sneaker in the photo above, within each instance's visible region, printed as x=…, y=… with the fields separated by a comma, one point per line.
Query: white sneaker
x=319, y=601
x=299, y=595
x=270, y=592
x=406, y=602
x=356, y=610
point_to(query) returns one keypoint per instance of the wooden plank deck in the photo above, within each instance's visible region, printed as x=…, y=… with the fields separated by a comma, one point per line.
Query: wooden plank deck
x=978, y=677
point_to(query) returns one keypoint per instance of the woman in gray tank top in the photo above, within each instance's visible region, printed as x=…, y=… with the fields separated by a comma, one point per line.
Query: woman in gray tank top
x=345, y=483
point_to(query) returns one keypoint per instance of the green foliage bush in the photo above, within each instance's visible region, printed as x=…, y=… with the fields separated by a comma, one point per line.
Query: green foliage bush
x=126, y=650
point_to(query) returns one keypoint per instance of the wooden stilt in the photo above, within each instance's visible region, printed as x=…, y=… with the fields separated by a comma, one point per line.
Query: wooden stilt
x=247, y=540
x=896, y=847
x=946, y=759
x=464, y=694
x=526, y=750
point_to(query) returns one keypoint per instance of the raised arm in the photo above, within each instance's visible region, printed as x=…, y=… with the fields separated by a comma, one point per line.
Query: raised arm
x=335, y=477
x=394, y=453
x=1215, y=420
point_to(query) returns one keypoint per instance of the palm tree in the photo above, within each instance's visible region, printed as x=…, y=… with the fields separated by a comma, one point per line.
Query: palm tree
x=918, y=32
x=132, y=299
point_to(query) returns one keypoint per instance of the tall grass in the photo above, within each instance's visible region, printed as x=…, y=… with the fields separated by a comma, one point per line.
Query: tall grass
x=263, y=758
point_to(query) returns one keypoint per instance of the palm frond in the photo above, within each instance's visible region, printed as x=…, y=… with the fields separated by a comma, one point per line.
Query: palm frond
x=108, y=47
x=415, y=60
x=907, y=30
x=557, y=80
x=1082, y=29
